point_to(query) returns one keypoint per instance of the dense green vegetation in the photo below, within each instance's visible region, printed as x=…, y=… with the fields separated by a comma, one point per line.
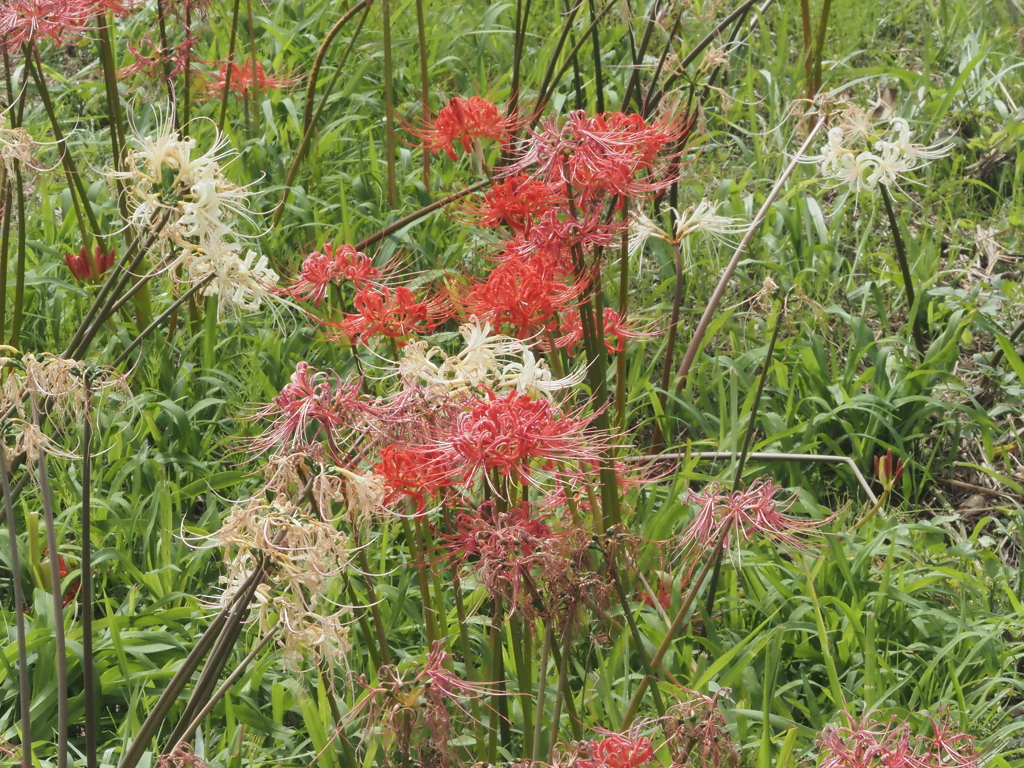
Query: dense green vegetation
x=597, y=531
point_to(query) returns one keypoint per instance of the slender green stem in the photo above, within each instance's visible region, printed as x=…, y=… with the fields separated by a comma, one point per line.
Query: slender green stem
x=908, y=278
x=58, y=603
x=20, y=265
x=160, y=318
x=633, y=86
x=81, y=202
x=598, y=70
x=130, y=758
x=24, y=673
x=670, y=633
x=638, y=641
x=413, y=542
x=228, y=682
x=523, y=678
x=164, y=48
x=426, y=210
x=311, y=119
x=658, y=441
x=186, y=99
x=7, y=195
x=542, y=678
x=424, y=84
x=254, y=90
x=748, y=437
x=230, y=67
x=88, y=673
x=378, y=621
x=389, y=105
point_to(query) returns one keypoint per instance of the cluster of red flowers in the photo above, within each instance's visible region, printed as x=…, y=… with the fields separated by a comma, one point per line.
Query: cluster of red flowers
x=243, y=79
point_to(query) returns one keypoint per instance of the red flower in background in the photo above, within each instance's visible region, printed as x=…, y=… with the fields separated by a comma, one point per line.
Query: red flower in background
x=244, y=78
x=86, y=267
x=333, y=265
x=462, y=120
x=616, y=332
x=618, y=751
x=412, y=472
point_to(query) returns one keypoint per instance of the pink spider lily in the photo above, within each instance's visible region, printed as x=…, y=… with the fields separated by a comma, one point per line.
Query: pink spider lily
x=515, y=435
x=312, y=405
x=754, y=511
x=869, y=743
x=604, y=154
x=320, y=270
x=32, y=21
x=461, y=121
x=412, y=472
x=617, y=751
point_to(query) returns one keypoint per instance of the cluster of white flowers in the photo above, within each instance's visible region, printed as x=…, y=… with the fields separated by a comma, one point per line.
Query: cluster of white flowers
x=203, y=206
x=846, y=160
x=488, y=360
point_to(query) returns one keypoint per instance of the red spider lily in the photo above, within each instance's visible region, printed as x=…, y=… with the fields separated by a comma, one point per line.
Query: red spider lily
x=243, y=79
x=162, y=63
x=596, y=155
x=616, y=332
x=313, y=404
x=887, y=470
x=617, y=751
x=333, y=265
x=866, y=744
x=557, y=233
x=412, y=472
x=510, y=434
x=516, y=203
x=392, y=313
x=746, y=513
x=525, y=294
x=31, y=21
x=463, y=120
x=86, y=267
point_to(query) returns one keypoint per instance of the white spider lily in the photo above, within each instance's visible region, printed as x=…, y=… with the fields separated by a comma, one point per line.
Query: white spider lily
x=488, y=360
x=845, y=159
